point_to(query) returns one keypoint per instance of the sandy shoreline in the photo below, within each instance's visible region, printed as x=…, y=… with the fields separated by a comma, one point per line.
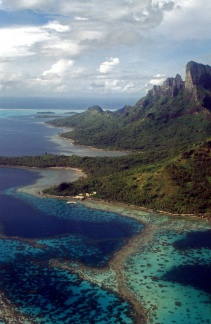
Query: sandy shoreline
x=69, y=148
x=115, y=267
x=71, y=141
x=53, y=176
x=50, y=177
x=135, y=210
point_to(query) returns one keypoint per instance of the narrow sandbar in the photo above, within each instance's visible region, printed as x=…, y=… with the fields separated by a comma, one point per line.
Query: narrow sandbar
x=51, y=177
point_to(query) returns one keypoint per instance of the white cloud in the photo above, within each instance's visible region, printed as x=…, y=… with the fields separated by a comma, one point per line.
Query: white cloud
x=56, y=26
x=189, y=20
x=58, y=69
x=159, y=75
x=78, y=18
x=157, y=81
x=163, y=4
x=10, y=77
x=114, y=86
x=19, y=41
x=46, y=40
x=26, y=4
x=148, y=36
x=144, y=14
x=57, y=47
x=108, y=14
x=109, y=65
x=58, y=78
x=62, y=88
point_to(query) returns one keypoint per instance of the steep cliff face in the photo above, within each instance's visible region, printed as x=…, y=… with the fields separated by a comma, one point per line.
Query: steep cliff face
x=196, y=87
x=170, y=87
x=198, y=84
x=197, y=75
x=170, y=117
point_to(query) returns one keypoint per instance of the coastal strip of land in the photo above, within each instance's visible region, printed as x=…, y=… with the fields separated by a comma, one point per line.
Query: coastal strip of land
x=53, y=176
x=115, y=266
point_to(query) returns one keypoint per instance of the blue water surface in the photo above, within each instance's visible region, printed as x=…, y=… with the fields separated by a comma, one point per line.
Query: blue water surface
x=24, y=132
x=170, y=274
x=37, y=230
x=50, y=295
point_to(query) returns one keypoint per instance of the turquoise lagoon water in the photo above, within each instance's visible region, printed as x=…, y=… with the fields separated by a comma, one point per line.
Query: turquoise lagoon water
x=38, y=230
x=169, y=275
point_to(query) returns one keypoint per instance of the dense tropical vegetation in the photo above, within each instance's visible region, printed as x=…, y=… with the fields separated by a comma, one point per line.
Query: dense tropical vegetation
x=168, y=133
x=177, y=185
x=166, y=124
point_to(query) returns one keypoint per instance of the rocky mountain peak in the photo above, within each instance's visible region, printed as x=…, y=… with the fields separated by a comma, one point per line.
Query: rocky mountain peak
x=95, y=109
x=170, y=87
x=197, y=74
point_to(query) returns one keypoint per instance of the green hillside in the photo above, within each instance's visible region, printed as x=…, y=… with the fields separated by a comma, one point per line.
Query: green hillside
x=170, y=118
x=179, y=185
x=168, y=130
x=168, y=133
x=182, y=185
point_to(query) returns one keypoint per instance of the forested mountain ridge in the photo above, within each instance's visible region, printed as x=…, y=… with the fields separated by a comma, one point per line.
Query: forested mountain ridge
x=169, y=132
x=170, y=117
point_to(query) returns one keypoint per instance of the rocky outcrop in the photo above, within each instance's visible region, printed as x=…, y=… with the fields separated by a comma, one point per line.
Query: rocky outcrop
x=198, y=84
x=170, y=87
x=197, y=75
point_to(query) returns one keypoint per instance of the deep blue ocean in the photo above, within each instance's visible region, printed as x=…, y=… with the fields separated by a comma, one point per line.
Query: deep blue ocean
x=64, y=232
x=24, y=132
x=37, y=231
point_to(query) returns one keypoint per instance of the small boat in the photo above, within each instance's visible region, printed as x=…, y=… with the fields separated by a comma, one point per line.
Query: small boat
x=71, y=202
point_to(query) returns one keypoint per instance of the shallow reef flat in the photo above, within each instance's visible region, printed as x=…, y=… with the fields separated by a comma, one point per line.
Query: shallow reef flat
x=50, y=177
x=45, y=294
x=166, y=280
x=42, y=230
x=35, y=289
x=168, y=272
x=9, y=313
x=94, y=262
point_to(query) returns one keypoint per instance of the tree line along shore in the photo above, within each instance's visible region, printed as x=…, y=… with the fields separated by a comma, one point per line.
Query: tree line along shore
x=179, y=185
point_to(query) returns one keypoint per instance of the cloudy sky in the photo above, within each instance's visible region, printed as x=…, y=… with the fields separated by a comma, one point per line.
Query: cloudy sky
x=81, y=48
